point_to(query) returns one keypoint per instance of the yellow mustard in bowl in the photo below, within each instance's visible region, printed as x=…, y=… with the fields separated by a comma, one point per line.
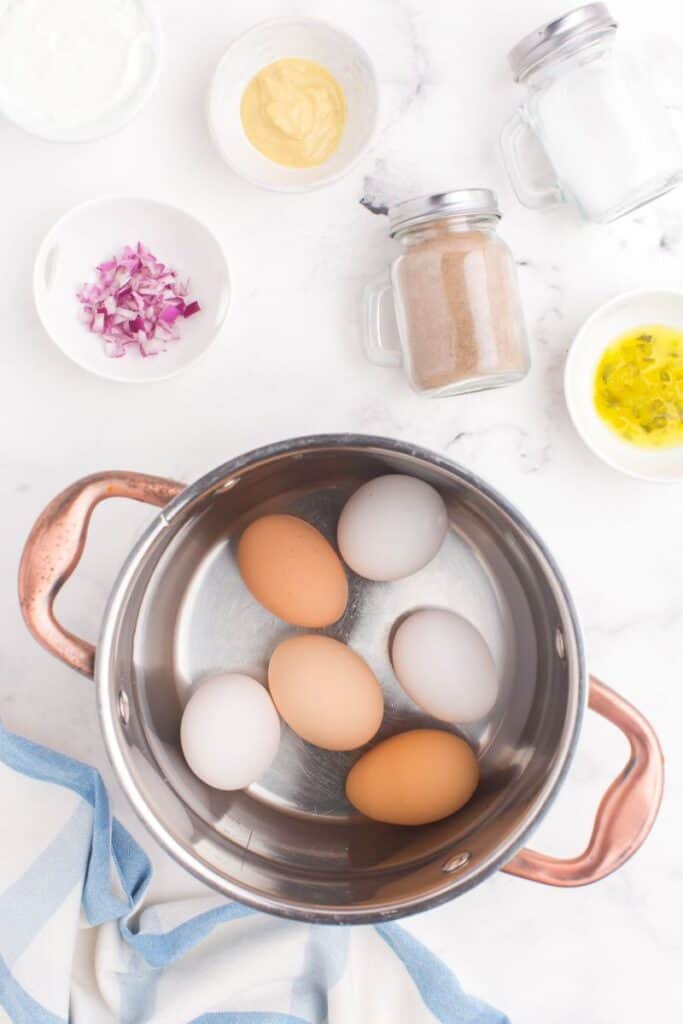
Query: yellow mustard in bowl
x=294, y=112
x=639, y=386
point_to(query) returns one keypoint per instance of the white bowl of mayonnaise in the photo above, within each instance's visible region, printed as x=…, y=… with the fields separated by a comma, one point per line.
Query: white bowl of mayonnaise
x=293, y=104
x=76, y=70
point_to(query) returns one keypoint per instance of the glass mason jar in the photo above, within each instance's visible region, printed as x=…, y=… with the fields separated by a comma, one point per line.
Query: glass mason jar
x=592, y=112
x=455, y=298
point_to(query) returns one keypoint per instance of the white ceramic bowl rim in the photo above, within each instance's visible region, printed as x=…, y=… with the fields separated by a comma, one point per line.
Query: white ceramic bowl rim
x=324, y=178
x=107, y=366
x=651, y=465
x=112, y=123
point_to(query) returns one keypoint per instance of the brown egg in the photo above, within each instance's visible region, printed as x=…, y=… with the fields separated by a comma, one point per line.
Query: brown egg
x=325, y=692
x=414, y=778
x=293, y=571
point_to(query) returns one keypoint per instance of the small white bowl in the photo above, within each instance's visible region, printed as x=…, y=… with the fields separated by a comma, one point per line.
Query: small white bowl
x=622, y=314
x=273, y=40
x=96, y=230
x=118, y=116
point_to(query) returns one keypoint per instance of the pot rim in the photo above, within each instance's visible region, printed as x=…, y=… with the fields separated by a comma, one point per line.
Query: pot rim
x=192, y=862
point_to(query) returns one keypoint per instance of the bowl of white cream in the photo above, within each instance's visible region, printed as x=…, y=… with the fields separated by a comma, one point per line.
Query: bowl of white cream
x=76, y=70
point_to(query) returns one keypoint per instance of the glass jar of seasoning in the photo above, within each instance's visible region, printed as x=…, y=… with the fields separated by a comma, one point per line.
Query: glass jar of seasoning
x=591, y=117
x=454, y=291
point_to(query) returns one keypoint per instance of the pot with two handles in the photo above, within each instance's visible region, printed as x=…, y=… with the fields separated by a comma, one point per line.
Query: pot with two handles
x=290, y=844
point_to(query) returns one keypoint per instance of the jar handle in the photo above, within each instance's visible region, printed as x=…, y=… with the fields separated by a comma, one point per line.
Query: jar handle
x=382, y=346
x=517, y=139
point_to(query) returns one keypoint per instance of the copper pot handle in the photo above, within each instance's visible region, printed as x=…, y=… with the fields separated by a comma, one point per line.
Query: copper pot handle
x=54, y=548
x=626, y=812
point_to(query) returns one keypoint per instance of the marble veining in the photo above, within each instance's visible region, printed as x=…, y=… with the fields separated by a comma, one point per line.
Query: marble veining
x=290, y=362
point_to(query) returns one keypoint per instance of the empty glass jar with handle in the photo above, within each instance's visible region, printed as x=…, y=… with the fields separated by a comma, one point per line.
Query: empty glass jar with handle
x=454, y=293
x=592, y=111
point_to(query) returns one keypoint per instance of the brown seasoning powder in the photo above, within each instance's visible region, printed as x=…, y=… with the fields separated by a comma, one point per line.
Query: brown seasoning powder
x=458, y=302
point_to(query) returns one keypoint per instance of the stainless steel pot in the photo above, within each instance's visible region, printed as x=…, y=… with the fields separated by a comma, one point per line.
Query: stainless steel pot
x=290, y=844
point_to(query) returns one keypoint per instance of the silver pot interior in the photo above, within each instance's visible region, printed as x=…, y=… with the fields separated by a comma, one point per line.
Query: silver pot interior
x=291, y=843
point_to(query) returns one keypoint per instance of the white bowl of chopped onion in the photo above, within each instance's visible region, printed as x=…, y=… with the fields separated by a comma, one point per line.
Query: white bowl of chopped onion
x=131, y=289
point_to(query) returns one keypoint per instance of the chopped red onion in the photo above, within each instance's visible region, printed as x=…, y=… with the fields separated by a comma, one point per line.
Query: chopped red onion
x=136, y=300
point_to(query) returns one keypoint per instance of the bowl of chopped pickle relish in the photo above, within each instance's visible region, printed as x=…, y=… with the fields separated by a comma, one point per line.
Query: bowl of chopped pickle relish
x=624, y=384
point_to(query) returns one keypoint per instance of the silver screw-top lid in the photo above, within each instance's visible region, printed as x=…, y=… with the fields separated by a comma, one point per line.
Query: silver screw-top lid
x=470, y=202
x=578, y=27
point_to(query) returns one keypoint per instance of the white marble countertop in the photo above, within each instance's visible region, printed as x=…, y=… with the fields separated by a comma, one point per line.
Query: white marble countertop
x=289, y=362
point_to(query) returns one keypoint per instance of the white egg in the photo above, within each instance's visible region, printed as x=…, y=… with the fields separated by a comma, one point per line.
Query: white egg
x=229, y=731
x=391, y=527
x=445, y=665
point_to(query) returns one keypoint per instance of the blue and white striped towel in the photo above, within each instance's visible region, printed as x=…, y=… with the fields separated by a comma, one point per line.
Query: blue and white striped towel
x=76, y=946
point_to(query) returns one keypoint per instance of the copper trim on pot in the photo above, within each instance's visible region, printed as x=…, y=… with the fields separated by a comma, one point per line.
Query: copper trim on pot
x=54, y=549
x=52, y=552
x=626, y=812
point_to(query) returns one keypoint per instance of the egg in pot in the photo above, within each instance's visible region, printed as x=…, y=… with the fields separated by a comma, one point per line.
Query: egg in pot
x=293, y=571
x=445, y=665
x=230, y=731
x=391, y=527
x=414, y=778
x=325, y=692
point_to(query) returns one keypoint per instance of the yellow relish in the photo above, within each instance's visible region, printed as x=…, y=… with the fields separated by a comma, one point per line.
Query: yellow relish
x=639, y=386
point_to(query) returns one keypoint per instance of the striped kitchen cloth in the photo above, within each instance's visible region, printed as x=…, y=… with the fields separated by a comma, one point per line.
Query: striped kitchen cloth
x=77, y=944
